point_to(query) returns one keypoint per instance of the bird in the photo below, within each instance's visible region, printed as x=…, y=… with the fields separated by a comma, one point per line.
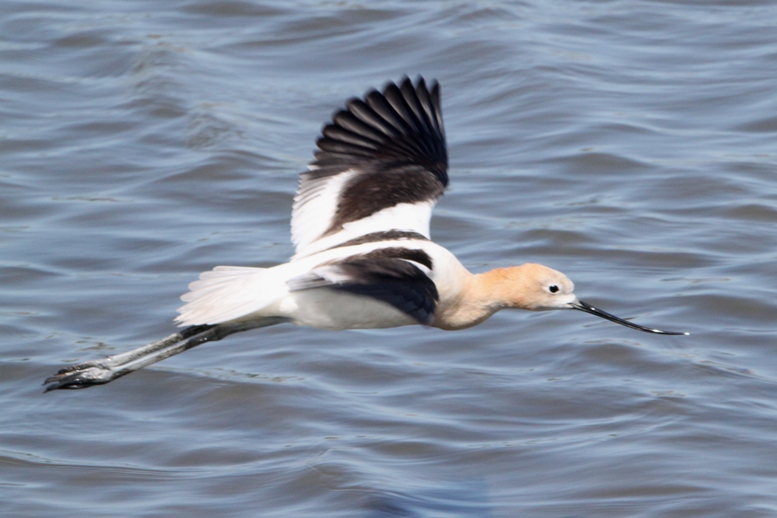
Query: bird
x=364, y=257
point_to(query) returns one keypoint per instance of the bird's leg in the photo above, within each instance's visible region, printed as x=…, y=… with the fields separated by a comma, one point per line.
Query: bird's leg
x=97, y=372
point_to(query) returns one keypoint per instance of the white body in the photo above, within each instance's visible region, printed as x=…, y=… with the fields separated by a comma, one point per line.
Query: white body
x=230, y=294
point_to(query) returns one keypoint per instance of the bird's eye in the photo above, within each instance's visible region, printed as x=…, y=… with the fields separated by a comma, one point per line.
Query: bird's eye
x=553, y=288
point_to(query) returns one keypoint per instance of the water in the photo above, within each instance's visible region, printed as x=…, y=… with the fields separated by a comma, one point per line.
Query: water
x=628, y=144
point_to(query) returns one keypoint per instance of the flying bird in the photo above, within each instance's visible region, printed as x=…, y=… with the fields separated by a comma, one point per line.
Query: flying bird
x=363, y=257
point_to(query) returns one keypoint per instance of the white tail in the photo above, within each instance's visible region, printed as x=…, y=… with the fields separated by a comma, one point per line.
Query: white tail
x=227, y=293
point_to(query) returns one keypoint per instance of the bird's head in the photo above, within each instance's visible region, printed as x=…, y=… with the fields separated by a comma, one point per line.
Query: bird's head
x=537, y=287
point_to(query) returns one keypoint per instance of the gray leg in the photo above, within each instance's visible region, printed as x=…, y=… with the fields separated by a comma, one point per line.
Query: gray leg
x=97, y=372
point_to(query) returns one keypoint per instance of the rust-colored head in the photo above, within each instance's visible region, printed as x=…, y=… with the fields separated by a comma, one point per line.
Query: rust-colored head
x=532, y=286
x=537, y=287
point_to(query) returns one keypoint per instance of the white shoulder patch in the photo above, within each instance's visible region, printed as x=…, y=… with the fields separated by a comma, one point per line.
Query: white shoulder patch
x=411, y=217
x=314, y=208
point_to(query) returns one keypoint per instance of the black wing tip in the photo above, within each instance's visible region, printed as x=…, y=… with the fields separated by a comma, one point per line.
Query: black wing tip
x=404, y=79
x=402, y=123
x=419, y=84
x=431, y=87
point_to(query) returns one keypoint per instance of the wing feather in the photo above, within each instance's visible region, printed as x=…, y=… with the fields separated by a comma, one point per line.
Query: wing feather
x=385, y=152
x=394, y=275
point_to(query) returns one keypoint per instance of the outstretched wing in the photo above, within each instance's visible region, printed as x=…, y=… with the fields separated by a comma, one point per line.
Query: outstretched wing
x=381, y=166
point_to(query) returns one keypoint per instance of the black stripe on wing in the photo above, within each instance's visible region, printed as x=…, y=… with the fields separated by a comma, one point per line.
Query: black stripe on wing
x=386, y=274
x=395, y=142
x=389, y=235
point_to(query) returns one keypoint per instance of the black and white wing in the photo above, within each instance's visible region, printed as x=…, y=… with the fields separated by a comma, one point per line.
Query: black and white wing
x=395, y=275
x=380, y=167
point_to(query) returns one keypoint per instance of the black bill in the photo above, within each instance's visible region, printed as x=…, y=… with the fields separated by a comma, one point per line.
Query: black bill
x=584, y=306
